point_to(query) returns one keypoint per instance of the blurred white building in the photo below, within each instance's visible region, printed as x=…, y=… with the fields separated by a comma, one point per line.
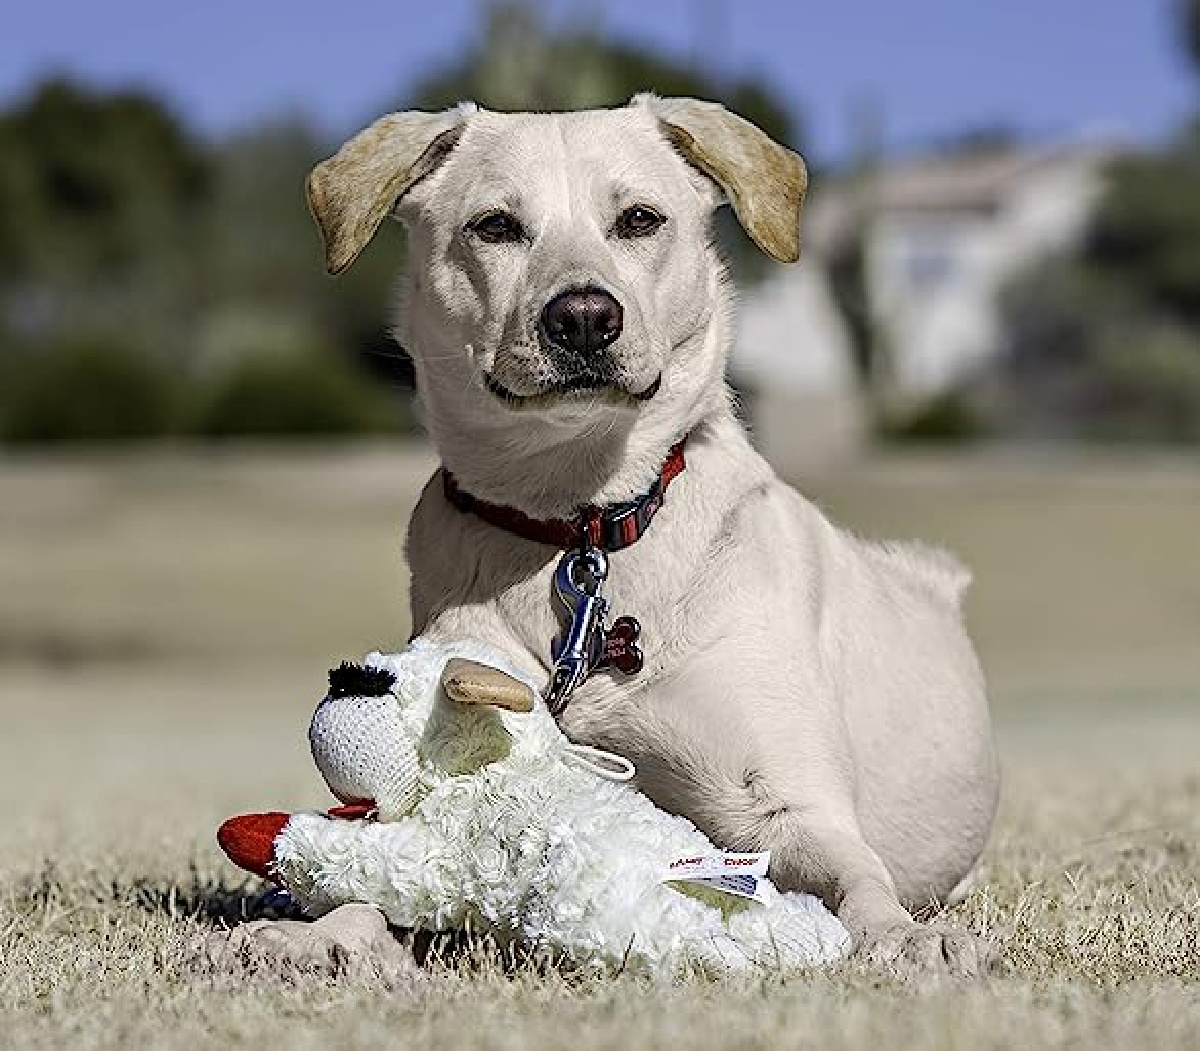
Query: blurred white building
x=939, y=238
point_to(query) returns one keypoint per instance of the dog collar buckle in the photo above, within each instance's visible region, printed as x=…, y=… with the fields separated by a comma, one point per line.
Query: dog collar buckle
x=578, y=582
x=586, y=642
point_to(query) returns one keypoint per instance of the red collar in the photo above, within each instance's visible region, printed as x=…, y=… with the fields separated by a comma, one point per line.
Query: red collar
x=609, y=528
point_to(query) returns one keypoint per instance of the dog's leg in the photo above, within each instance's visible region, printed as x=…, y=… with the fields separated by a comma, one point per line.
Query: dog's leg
x=807, y=789
x=822, y=849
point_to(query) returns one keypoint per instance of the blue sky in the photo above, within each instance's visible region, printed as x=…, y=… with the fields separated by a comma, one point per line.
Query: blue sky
x=1048, y=67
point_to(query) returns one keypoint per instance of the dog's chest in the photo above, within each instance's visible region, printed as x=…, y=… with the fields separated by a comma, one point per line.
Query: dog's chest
x=698, y=601
x=459, y=564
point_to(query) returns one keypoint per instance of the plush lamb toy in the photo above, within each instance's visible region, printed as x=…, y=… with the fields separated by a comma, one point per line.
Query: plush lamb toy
x=487, y=818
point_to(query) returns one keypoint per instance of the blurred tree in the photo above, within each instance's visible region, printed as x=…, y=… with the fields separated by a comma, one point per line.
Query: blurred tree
x=121, y=235
x=1189, y=16
x=522, y=63
x=1146, y=236
x=1090, y=357
x=101, y=200
x=83, y=176
x=1106, y=343
x=260, y=245
x=306, y=393
x=84, y=388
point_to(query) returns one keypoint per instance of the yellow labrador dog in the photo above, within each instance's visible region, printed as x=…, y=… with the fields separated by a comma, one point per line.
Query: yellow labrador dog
x=792, y=688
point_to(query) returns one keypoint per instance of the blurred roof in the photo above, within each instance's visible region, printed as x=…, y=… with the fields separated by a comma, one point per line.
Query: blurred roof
x=978, y=181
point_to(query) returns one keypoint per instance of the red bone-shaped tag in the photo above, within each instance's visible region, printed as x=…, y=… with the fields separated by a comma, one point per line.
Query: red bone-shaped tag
x=621, y=650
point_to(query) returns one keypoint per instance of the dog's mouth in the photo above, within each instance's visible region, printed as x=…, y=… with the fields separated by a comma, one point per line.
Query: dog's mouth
x=574, y=388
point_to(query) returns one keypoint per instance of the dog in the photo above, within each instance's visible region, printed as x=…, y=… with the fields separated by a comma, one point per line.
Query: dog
x=800, y=690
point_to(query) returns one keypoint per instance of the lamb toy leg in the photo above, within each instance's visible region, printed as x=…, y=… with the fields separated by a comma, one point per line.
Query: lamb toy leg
x=489, y=820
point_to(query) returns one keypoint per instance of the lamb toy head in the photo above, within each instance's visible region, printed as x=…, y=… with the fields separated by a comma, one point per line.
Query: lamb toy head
x=486, y=818
x=393, y=728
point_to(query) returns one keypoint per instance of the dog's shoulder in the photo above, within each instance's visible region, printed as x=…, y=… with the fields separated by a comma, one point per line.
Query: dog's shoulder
x=929, y=568
x=923, y=570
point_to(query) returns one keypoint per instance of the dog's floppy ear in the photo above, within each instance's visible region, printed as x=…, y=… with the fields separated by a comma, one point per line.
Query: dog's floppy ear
x=353, y=191
x=763, y=181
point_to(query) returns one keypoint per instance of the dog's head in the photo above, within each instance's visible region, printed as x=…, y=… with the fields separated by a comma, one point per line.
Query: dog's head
x=560, y=264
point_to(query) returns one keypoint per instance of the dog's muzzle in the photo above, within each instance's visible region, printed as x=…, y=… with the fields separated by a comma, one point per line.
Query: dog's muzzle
x=576, y=327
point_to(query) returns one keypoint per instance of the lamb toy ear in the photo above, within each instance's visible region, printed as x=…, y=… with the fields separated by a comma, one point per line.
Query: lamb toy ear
x=469, y=682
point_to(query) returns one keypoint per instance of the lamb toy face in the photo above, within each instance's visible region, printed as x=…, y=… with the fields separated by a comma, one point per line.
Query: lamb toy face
x=489, y=819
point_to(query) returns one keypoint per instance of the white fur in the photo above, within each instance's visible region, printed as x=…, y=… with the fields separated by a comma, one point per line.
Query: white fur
x=506, y=834
x=805, y=691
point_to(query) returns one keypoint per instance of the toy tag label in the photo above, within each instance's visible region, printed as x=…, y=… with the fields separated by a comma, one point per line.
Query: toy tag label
x=742, y=875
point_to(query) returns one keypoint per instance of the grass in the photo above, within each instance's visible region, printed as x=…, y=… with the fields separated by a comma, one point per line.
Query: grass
x=165, y=623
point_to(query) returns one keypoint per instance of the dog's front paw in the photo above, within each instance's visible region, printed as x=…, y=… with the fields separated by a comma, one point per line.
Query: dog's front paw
x=352, y=941
x=922, y=952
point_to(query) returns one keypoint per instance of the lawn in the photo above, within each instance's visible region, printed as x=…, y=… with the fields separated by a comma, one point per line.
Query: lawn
x=165, y=623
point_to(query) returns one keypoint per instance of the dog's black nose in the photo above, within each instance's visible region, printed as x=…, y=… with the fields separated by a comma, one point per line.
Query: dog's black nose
x=582, y=320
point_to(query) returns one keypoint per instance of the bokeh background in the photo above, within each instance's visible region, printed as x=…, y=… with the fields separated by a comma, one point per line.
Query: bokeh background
x=208, y=449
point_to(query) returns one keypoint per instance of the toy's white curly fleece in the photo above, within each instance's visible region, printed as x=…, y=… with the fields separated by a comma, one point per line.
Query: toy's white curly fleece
x=510, y=835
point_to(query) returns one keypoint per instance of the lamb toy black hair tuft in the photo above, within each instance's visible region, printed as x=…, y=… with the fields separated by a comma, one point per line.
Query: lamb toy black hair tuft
x=360, y=680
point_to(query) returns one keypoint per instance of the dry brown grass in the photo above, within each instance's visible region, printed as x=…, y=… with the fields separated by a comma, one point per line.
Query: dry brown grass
x=164, y=626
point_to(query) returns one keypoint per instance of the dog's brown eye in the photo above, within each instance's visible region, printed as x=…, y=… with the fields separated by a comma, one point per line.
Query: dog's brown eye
x=497, y=226
x=638, y=221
